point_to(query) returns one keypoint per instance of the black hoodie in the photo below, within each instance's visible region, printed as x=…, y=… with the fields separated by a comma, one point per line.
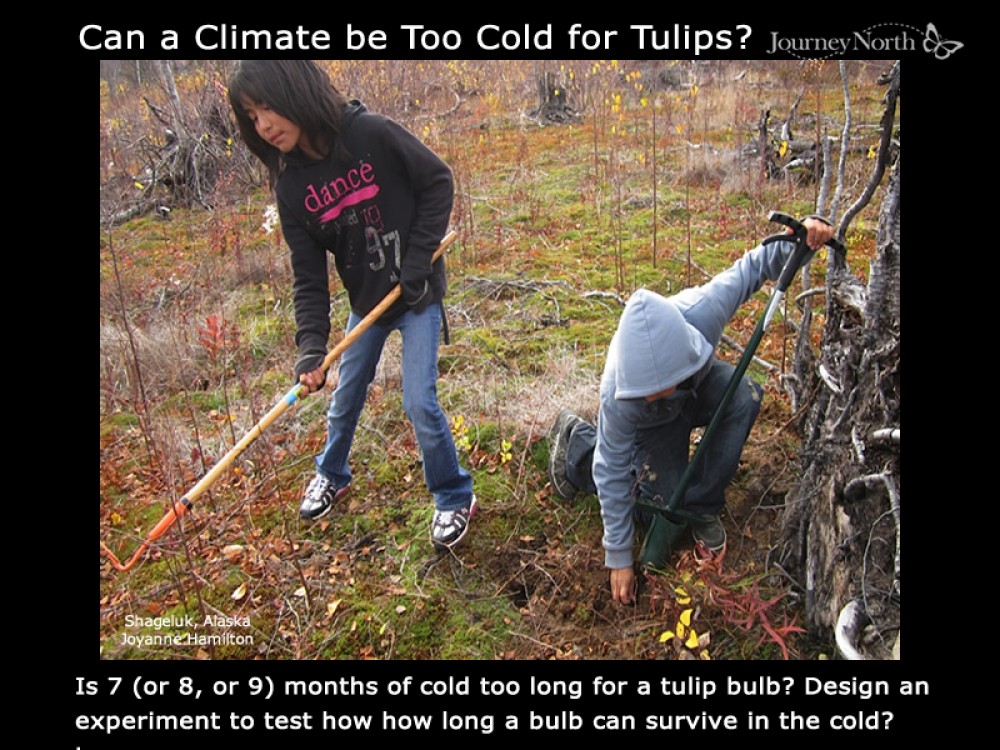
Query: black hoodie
x=382, y=215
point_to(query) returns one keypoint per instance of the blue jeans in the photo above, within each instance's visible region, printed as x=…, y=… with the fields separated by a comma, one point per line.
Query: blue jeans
x=662, y=449
x=450, y=484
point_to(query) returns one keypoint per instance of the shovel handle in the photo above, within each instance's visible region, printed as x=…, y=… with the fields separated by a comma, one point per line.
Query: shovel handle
x=801, y=253
x=799, y=230
x=789, y=221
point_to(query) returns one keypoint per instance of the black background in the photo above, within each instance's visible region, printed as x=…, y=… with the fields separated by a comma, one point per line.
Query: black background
x=51, y=602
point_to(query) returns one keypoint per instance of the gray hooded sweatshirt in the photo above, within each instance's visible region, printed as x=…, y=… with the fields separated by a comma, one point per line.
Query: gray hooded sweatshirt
x=660, y=343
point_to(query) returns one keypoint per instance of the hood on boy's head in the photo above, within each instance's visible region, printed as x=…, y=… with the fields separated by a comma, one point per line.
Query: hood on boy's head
x=654, y=347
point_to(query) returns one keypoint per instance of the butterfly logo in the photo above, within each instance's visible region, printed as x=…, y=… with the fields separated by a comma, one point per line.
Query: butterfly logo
x=940, y=48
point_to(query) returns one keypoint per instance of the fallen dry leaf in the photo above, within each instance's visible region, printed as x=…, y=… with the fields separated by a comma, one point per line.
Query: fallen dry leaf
x=692, y=639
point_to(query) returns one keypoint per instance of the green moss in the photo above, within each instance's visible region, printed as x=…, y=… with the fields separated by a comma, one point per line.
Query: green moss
x=119, y=421
x=203, y=401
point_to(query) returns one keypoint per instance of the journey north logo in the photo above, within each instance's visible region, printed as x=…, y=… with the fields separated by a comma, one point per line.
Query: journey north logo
x=883, y=37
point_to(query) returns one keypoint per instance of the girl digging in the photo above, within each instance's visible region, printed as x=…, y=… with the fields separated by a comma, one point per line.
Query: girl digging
x=359, y=187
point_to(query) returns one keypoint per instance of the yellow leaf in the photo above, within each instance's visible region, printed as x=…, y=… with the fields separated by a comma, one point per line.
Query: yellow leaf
x=782, y=148
x=681, y=629
x=704, y=656
x=872, y=152
x=140, y=185
x=686, y=616
x=381, y=630
x=240, y=591
x=692, y=639
x=666, y=635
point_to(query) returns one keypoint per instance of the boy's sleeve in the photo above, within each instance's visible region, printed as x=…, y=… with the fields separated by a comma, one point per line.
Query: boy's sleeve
x=712, y=305
x=613, y=479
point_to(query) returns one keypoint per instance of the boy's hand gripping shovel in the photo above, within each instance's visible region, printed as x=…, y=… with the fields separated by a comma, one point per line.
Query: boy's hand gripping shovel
x=184, y=504
x=663, y=536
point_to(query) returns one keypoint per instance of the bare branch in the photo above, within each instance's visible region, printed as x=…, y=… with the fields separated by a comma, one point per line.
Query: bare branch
x=731, y=342
x=845, y=138
x=881, y=161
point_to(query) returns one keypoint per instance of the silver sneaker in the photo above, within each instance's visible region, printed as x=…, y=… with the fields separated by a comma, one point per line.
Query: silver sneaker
x=319, y=497
x=449, y=527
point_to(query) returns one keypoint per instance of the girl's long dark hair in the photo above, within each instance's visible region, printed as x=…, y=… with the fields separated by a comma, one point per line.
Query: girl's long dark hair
x=299, y=91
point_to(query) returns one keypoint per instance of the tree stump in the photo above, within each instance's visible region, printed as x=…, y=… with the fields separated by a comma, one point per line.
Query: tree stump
x=841, y=525
x=553, y=101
